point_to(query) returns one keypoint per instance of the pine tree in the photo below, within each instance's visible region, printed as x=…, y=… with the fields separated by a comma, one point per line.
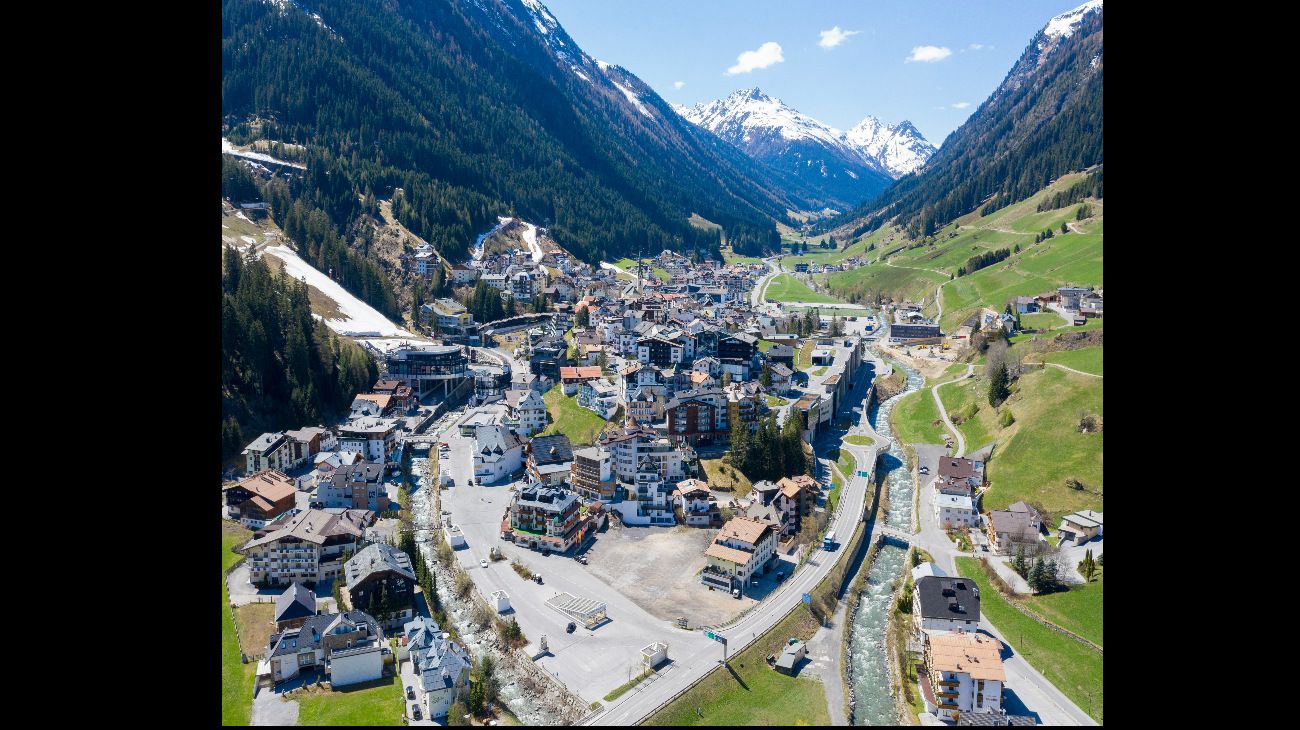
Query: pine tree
x=1019, y=564
x=1036, y=577
x=998, y=386
x=765, y=378
x=1088, y=566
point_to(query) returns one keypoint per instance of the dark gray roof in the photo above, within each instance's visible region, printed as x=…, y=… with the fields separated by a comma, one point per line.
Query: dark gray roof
x=374, y=558
x=360, y=473
x=542, y=446
x=937, y=596
x=296, y=602
x=308, y=636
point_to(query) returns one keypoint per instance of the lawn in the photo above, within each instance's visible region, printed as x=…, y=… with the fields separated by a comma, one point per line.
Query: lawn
x=859, y=440
x=750, y=693
x=1042, y=320
x=1069, y=665
x=1043, y=447
x=1078, y=609
x=370, y=703
x=820, y=371
x=622, y=689
x=803, y=359
x=847, y=463
x=256, y=624
x=734, y=480
x=776, y=400
x=1086, y=359
x=236, y=677
x=786, y=288
x=629, y=266
x=233, y=534
x=567, y=417
x=915, y=418
x=833, y=500
x=967, y=400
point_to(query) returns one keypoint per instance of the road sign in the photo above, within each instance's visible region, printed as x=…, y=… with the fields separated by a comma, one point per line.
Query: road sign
x=864, y=473
x=715, y=636
x=807, y=598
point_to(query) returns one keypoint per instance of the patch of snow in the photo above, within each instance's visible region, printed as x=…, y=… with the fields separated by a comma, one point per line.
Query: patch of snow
x=229, y=148
x=1064, y=25
x=361, y=318
x=851, y=174
x=602, y=64
x=580, y=74
x=248, y=239
x=634, y=99
x=530, y=237
x=240, y=214
x=284, y=6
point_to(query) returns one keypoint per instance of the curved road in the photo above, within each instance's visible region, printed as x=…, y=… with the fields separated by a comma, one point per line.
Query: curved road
x=961, y=441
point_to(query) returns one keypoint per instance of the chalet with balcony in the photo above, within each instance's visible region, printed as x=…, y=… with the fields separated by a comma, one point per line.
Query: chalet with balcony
x=964, y=675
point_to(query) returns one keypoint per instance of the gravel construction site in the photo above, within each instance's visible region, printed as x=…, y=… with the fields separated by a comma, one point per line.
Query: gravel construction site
x=658, y=569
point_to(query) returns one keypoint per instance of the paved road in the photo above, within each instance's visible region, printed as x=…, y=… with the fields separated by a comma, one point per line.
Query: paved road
x=961, y=441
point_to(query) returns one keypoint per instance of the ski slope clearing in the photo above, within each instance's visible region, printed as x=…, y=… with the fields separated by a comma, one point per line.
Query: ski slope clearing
x=362, y=319
x=530, y=237
x=230, y=149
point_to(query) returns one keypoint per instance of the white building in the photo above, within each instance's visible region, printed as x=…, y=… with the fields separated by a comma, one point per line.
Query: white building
x=532, y=413
x=953, y=511
x=964, y=676
x=498, y=453
x=268, y=451
x=599, y=396
x=375, y=438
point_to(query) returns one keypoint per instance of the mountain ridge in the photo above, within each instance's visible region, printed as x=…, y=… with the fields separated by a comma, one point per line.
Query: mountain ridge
x=852, y=166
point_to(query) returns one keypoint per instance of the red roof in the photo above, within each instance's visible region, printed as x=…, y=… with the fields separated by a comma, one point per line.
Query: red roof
x=580, y=373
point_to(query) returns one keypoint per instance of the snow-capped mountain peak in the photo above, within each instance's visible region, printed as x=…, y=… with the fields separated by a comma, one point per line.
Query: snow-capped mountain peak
x=747, y=113
x=900, y=148
x=1064, y=25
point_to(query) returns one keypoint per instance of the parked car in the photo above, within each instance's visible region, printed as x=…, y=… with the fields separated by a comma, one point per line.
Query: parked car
x=482, y=562
x=410, y=692
x=415, y=711
x=570, y=628
x=735, y=593
x=537, y=577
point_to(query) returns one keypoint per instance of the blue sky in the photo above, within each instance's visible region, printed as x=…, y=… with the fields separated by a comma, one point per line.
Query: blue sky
x=696, y=42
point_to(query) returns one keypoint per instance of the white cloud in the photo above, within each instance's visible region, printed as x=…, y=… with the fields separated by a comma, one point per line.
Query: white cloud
x=961, y=105
x=929, y=54
x=765, y=55
x=678, y=84
x=978, y=46
x=835, y=36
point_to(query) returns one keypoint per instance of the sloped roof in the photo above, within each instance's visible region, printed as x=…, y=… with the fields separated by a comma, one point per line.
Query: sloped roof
x=297, y=601
x=374, y=558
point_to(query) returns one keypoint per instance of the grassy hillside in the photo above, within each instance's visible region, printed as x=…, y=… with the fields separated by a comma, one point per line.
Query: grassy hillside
x=567, y=417
x=1071, y=258
x=915, y=418
x=1036, y=454
x=967, y=404
x=1085, y=359
x=786, y=288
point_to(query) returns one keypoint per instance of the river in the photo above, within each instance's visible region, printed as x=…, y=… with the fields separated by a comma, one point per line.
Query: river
x=868, y=654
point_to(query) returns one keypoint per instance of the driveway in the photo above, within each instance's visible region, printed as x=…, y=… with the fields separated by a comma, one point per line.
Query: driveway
x=406, y=677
